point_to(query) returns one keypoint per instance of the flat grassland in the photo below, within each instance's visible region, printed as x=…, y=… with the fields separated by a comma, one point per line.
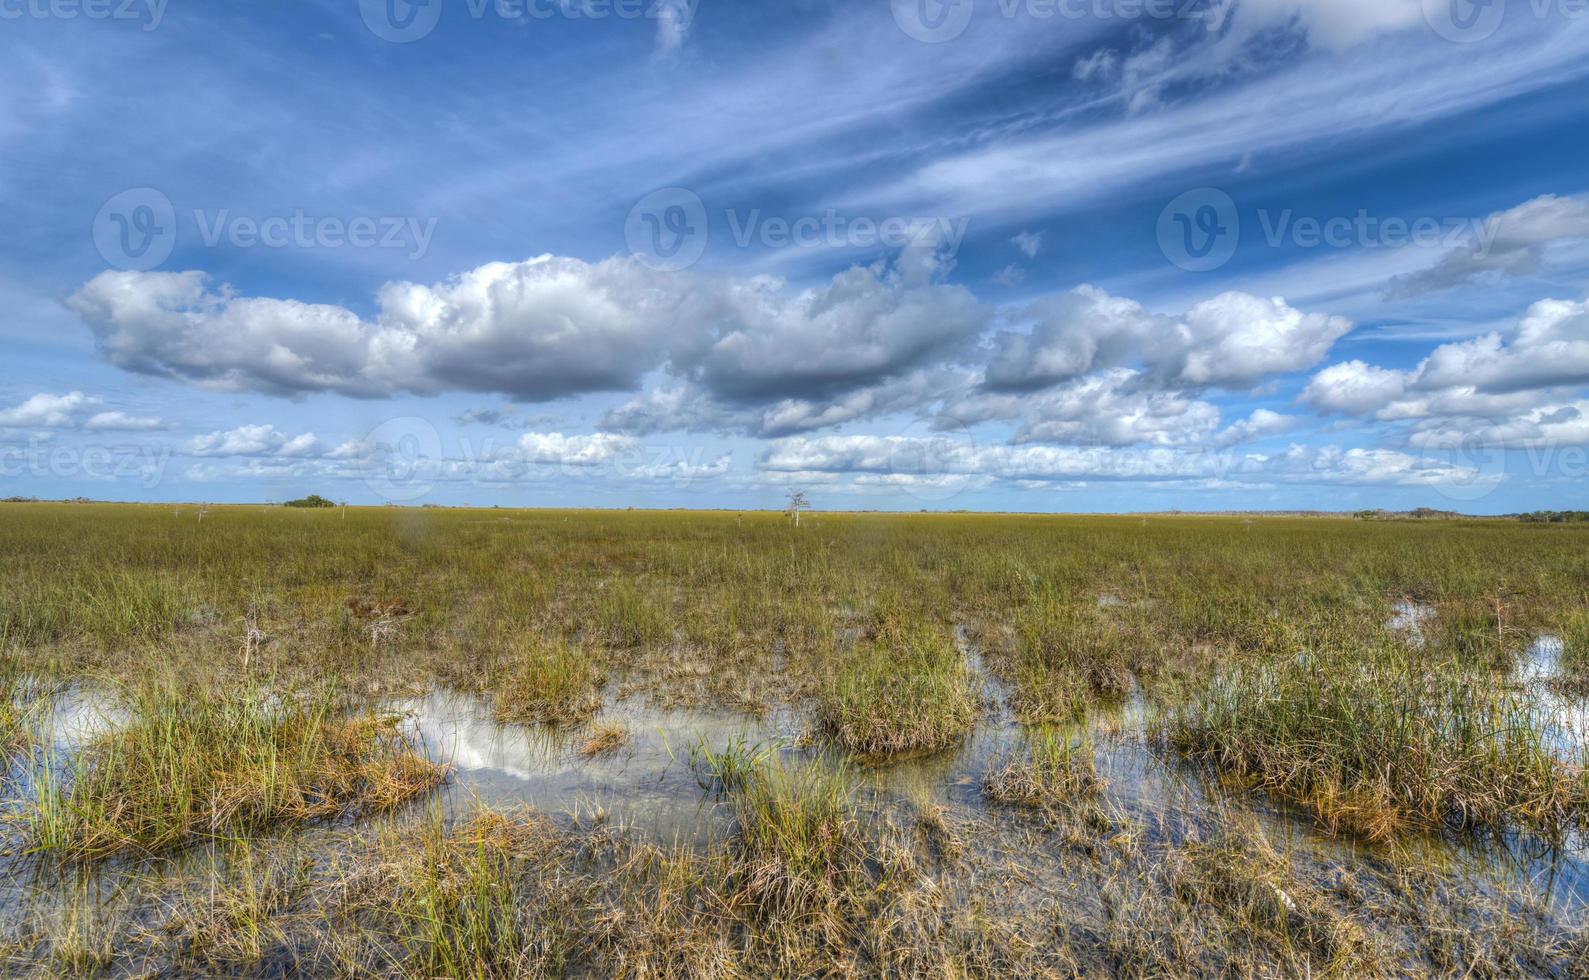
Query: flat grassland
x=390, y=742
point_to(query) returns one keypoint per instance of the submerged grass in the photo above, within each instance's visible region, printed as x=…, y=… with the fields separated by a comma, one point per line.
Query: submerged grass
x=1049, y=770
x=191, y=762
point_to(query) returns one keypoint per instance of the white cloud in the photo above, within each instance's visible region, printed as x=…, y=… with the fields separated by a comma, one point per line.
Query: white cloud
x=1332, y=24
x=1110, y=408
x=1486, y=376
x=1261, y=424
x=254, y=440
x=1354, y=388
x=1518, y=391
x=122, y=422
x=541, y=329
x=1029, y=242
x=562, y=450
x=46, y=411
x=1324, y=466
x=1233, y=340
x=1519, y=241
x=1564, y=424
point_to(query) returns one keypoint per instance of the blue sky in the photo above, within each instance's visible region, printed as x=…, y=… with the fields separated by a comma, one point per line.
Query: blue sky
x=1035, y=255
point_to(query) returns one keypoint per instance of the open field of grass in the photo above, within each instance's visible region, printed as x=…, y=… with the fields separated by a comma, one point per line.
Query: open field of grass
x=492, y=743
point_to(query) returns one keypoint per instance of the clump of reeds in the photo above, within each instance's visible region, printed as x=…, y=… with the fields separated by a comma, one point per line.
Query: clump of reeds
x=239, y=910
x=1574, y=630
x=916, y=696
x=606, y=737
x=1376, y=743
x=195, y=762
x=16, y=730
x=1068, y=654
x=468, y=908
x=1048, y=770
x=550, y=683
x=801, y=853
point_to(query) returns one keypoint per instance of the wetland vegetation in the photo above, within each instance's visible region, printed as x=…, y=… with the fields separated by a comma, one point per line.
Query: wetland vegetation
x=490, y=743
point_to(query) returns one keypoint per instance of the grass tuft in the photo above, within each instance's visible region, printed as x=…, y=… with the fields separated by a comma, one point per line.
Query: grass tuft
x=551, y=683
x=1375, y=745
x=192, y=762
x=919, y=696
x=606, y=737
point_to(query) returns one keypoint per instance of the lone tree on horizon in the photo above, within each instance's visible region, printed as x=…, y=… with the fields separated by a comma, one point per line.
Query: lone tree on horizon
x=797, y=503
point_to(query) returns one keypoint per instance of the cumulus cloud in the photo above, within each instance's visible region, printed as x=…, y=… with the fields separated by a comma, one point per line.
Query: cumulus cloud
x=73, y=410
x=1515, y=243
x=1550, y=425
x=1261, y=424
x=539, y=330
x=122, y=422
x=1233, y=340
x=1110, y=408
x=899, y=455
x=867, y=325
x=743, y=355
x=1510, y=390
x=255, y=440
x=564, y=450
x=534, y=330
x=1029, y=242
x=46, y=411
x=1354, y=388
x=1491, y=374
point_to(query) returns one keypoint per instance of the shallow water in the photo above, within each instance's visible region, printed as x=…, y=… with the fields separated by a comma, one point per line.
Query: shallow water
x=647, y=783
x=1409, y=619
x=650, y=786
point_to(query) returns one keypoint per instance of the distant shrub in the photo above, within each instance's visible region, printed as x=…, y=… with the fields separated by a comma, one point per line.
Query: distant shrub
x=313, y=500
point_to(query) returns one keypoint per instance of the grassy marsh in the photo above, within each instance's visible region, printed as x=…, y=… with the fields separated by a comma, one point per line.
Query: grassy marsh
x=1244, y=764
